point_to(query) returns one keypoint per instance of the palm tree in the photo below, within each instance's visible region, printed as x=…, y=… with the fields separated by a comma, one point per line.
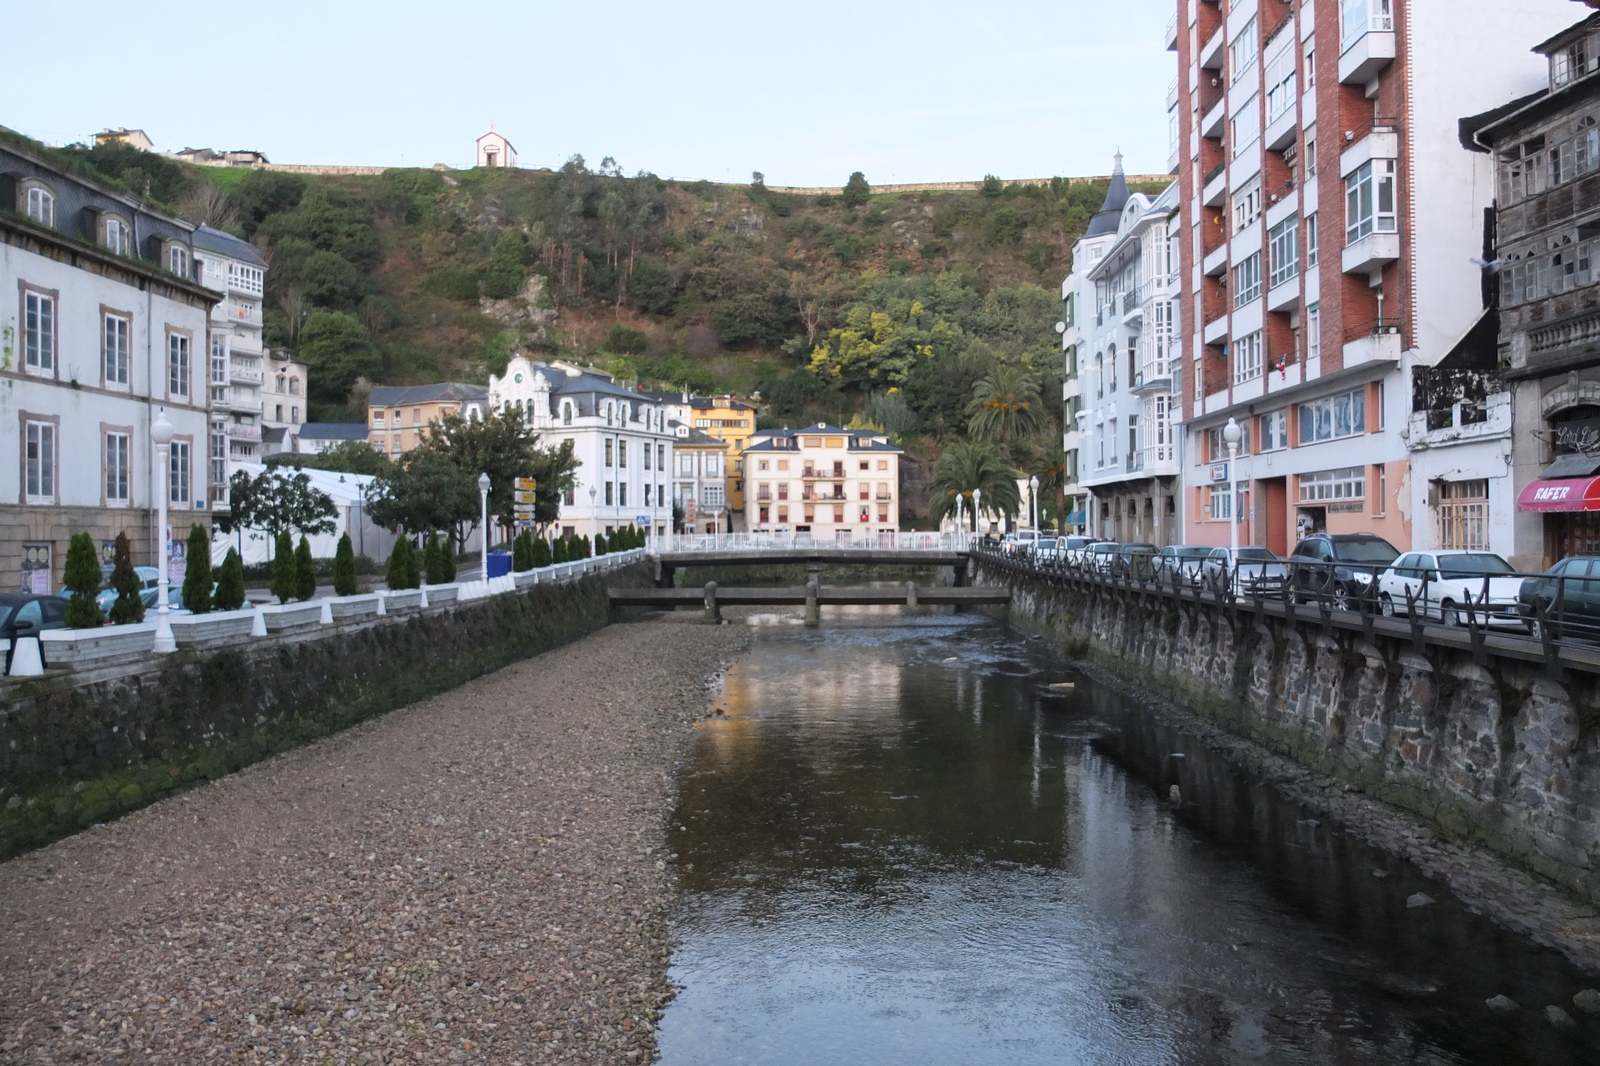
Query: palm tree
x=969, y=465
x=1053, y=475
x=1005, y=405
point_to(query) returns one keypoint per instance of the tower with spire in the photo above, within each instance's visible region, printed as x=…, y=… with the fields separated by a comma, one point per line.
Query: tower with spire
x=1106, y=220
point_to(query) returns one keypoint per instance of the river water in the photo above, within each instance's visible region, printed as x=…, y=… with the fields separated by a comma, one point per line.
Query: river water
x=900, y=845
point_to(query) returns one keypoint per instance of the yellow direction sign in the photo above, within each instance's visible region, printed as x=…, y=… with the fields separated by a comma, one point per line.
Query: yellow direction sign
x=527, y=484
x=527, y=496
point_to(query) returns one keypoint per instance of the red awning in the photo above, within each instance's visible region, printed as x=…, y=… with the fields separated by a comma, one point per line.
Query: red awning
x=1561, y=494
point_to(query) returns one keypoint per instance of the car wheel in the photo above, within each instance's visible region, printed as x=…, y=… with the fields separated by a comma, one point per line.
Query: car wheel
x=1343, y=598
x=1386, y=604
x=1448, y=615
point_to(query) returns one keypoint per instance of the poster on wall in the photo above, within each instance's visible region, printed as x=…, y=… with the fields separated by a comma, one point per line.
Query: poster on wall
x=36, y=568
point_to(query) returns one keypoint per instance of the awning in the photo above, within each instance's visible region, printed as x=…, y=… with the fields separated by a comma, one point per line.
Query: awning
x=1561, y=494
x=1076, y=518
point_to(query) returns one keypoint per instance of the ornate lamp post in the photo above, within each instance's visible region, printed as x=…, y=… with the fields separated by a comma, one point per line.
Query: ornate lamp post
x=1231, y=435
x=1033, y=498
x=483, y=495
x=977, y=510
x=161, y=435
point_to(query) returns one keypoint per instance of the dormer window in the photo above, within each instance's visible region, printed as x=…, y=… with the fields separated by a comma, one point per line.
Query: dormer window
x=566, y=413
x=178, y=260
x=116, y=235
x=39, y=204
x=1573, y=61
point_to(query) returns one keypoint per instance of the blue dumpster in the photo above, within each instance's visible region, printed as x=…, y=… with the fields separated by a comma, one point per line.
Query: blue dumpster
x=499, y=564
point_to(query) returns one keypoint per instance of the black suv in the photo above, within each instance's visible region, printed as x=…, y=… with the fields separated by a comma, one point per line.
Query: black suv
x=1339, y=567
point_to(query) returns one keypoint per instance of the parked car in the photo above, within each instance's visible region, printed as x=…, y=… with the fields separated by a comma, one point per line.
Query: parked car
x=1340, y=567
x=1136, y=562
x=1099, y=557
x=28, y=614
x=1441, y=584
x=1569, y=593
x=1044, y=550
x=149, y=582
x=1075, y=550
x=1256, y=570
x=1182, y=562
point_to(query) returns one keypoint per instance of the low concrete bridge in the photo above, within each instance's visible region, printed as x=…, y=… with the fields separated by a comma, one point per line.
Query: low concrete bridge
x=813, y=597
x=812, y=557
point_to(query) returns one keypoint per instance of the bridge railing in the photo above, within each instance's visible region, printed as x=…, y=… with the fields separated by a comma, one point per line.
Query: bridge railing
x=1539, y=617
x=759, y=541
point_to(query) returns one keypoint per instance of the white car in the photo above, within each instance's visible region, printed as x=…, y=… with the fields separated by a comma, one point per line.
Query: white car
x=1257, y=571
x=1440, y=585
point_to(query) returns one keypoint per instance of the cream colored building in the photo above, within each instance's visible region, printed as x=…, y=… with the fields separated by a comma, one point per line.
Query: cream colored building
x=835, y=484
x=397, y=415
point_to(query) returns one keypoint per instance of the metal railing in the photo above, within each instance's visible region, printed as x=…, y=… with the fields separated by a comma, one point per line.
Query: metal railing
x=1553, y=618
x=787, y=541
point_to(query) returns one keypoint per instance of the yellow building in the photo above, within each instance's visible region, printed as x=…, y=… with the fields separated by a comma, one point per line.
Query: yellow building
x=726, y=419
x=397, y=415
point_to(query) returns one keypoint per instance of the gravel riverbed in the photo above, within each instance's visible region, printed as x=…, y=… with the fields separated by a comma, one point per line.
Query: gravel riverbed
x=477, y=878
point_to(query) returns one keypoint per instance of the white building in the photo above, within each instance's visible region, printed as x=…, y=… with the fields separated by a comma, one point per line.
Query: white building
x=622, y=440
x=349, y=493
x=1125, y=270
x=283, y=402
x=109, y=324
x=831, y=483
x=495, y=151
x=314, y=438
x=236, y=366
x=699, y=479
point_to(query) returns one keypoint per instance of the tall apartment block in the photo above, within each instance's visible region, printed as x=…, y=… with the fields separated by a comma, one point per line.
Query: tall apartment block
x=235, y=355
x=1330, y=219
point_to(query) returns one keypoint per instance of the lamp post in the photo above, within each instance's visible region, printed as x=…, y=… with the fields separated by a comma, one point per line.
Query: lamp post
x=977, y=509
x=593, y=517
x=1033, y=498
x=1231, y=435
x=483, y=496
x=161, y=436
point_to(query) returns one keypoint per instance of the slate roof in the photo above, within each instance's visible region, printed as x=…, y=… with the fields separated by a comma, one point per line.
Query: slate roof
x=333, y=431
x=1109, y=216
x=227, y=244
x=694, y=438
x=395, y=395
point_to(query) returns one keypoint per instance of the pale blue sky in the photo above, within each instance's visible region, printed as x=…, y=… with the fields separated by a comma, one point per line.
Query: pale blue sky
x=805, y=92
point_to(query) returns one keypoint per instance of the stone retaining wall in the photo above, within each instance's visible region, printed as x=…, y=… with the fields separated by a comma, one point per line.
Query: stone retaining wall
x=81, y=748
x=1499, y=753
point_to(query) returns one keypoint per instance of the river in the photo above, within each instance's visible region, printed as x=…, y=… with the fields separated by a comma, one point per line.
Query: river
x=899, y=845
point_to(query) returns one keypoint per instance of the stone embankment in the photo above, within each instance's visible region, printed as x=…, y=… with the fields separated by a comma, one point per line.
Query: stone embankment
x=476, y=878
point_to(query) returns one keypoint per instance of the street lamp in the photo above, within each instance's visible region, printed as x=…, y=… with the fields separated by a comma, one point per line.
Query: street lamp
x=1033, y=498
x=161, y=435
x=977, y=509
x=483, y=495
x=1231, y=435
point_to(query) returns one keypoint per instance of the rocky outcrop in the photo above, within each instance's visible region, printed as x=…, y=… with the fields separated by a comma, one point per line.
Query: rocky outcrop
x=527, y=312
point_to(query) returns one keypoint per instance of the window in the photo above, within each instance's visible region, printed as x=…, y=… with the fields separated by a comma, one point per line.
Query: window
x=117, y=235
x=1369, y=200
x=1359, y=17
x=1311, y=239
x=1219, y=502
x=622, y=454
x=219, y=458
x=1111, y=434
x=177, y=365
x=1311, y=69
x=1311, y=150
x=116, y=346
x=1283, y=240
x=610, y=493
x=1100, y=374
x=1246, y=125
x=178, y=260
x=1573, y=62
x=39, y=455
x=610, y=445
x=1275, y=430
x=39, y=332
x=294, y=417
x=118, y=461
x=219, y=359
x=178, y=469
x=1242, y=52
x=1111, y=361
x=1217, y=445
x=1247, y=280
x=1313, y=331
x=1281, y=82
x=41, y=206
x=566, y=414
x=661, y=457
x=1246, y=207
x=647, y=456
x=1326, y=485
x=1343, y=415
x=1464, y=515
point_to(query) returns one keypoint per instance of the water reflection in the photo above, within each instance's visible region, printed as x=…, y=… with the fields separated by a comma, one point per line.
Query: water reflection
x=900, y=845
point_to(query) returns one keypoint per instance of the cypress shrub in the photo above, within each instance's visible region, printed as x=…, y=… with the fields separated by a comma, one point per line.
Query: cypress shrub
x=519, y=553
x=83, y=581
x=437, y=561
x=344, y=568
x=197, y=572
x=305, y=571
x=230, y=583
x=129, y=605
x=540, y=552
x=285, y=575
x=558, y=550
x=447, y=558
x=403, y=571
x=585, y=547
x=600, y=543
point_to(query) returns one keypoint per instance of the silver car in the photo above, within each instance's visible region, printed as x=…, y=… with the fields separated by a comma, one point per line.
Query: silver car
x=1256, y=570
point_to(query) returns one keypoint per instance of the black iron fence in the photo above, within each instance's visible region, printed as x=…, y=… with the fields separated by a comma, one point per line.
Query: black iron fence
x=1553, y=618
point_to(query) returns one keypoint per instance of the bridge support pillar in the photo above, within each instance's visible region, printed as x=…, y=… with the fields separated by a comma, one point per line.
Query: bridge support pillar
x=911, y=594
x=813, y=584
x=664, y=574
x=713, y=612
x=959, y=574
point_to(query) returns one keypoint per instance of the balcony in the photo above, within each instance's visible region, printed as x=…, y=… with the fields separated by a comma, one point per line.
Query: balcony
x=249, y=314
x=1284, y=296
x=1215, y=190
x=1377, y=138
x=240, y=431
x=1132, y=307
x=1372, y=342
x=244, y=375
x=1171, y=36
x=1371, y=254
x=1211, y=52
x=1368, y=45
x=1214, y=120
x=1216, y=330
x=1172, y=94
x=1174, y=160
x=1154, y=376
x=1134, y=462
x=1215, y=263
x=1281, y=130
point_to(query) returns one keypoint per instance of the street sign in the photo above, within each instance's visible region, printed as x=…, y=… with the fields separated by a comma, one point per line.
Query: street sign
x=524, y=510
x=527, y=484
x=688, y=509
x=527, y=496
x=642, y=520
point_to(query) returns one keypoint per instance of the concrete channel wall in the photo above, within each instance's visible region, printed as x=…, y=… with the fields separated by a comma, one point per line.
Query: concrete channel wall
x=80, y=749
x=1496, y=751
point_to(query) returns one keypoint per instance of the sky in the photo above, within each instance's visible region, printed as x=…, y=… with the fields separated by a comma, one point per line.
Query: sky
x=805, y=92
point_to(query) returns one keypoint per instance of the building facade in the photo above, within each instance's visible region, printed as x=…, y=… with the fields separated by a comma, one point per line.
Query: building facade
x=107, y=326
x=1125, y=268
x=831, y=483
x=495, y=151
x=700, y=479
x=1329, y=223
x=1075, y=513
x=397, y=415
x=236, y=358
x=283, y=401
x=314, y=438
x=1541, y=370
x=622, y=439
x=726, y=419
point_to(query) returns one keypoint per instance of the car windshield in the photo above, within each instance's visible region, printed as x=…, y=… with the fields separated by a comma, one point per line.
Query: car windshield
x=1256, y=555
x=5, y=613
x=1364, y=551
x=1046, y=542
x=1473, y=565
x=1191, y=552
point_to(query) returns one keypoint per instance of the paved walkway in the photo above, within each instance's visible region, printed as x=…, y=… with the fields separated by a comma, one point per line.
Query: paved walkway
x=477, y=878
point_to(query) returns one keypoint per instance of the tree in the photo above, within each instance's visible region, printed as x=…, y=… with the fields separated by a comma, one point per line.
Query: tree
x=209, y=205
x=439, y=560
x=197, y=572
x=305, y=571
x=504, y=447
x=128, y=607
x=346, y=457
x=83, y=581
x=275, y=501
x=344, y=568
x=426, y=491
x=818, y=295
x=600, y=542
x=558, y=550
x=520, y=552
x=541, y=553
x=339, y=350
x=968, y=466
x=285, y=574
x=856, y=190
x=230, y=583
x=1005, y=405
x=403, y=572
